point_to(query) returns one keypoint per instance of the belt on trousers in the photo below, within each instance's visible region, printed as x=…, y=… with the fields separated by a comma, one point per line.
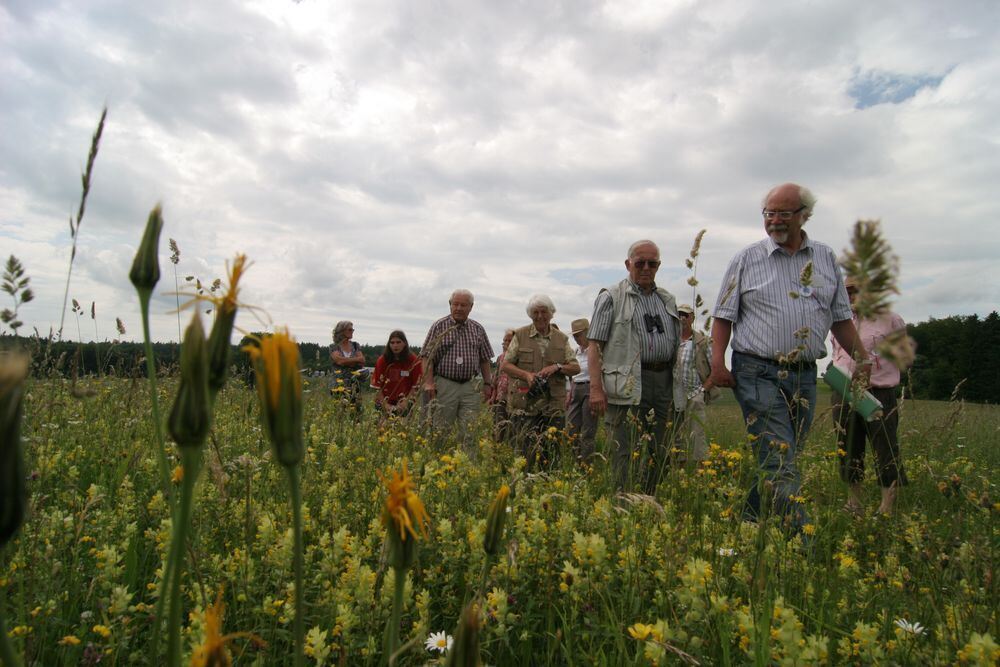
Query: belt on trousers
x=582, y=382
x=800, y=365
x=655, y=366
x=454, y=380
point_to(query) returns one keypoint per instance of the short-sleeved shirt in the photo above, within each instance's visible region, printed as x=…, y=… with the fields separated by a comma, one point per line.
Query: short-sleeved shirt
x=345, y=373
x=774, y=307
x=660, y=341
x=884, y=373
x=543, y=346
x=455, y=349
x=396, y=379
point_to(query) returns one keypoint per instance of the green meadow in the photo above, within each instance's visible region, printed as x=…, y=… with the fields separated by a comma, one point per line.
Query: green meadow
x=582, y=577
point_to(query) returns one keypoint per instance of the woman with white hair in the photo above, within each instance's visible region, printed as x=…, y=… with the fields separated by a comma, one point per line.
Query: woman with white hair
x=538, y=361
x=348, y=364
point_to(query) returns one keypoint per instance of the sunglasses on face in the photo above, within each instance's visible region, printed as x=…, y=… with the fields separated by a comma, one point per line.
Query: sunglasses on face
x=646, y=263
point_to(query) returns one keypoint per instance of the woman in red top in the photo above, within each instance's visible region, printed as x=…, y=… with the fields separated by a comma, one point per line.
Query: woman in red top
x=397, y=375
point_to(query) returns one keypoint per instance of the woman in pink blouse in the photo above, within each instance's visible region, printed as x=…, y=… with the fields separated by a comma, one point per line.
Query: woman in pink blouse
x=853, y=432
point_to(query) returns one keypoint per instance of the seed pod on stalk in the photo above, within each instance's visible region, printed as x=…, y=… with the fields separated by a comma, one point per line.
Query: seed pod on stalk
x=191, y=415
x=496, y=517
x=145, y=271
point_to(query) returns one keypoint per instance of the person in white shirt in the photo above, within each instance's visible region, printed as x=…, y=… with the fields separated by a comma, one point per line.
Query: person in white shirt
x=581, y=423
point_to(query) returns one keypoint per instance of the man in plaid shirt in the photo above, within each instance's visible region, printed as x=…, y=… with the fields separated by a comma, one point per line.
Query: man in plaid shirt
x=455, y=351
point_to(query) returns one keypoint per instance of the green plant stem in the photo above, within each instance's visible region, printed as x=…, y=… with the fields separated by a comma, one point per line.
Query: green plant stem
x=7, y=654
x=154, y=398
x=191, y=460
x=294, y=483
x=482, y=578
x=392, y=630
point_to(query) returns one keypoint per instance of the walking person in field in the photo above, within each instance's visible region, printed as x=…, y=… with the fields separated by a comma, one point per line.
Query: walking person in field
x=853, y=430
x=695, y=388
x=634, y=333
x=779, y=298
x=497, y=399
x=581, y=423
x=348, y=363
x=397, y=376
x=538, y=362
x=455, y=351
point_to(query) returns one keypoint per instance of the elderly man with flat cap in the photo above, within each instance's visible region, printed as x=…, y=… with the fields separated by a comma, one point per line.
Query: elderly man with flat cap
x=581, y=423
x=634, y=334
x=779, y=298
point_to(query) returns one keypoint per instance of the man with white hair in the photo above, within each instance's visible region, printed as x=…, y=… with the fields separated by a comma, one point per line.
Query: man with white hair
x=634, y=334
x=538, y=361
x=455, y=351
x=779, y=298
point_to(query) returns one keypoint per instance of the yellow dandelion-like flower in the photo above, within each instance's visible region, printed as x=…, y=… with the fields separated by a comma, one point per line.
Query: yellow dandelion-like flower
x=215, y=650
x=178, y=475
x=103, y=630
x=279, y=387
x=69, y=640
x=640, y=631
x=404, y=511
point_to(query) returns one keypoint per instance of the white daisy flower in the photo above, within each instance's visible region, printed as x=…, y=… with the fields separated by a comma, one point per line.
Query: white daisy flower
x=911, y=628
x=439, y=641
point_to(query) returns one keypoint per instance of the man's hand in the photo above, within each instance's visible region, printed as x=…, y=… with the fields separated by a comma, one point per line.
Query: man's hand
x=721, y=377
x=487, y=390
x=598, y=400
x=430, y=389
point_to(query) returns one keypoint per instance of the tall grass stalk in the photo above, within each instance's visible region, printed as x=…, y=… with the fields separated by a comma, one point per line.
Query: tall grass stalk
x=191, y=461
x=295, y=493
x=74, y=227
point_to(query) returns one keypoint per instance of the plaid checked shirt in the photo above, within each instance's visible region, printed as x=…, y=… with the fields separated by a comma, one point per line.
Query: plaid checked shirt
x=457, y=350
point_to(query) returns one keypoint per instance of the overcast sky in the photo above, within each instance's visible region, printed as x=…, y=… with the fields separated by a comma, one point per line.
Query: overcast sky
x=369, y=157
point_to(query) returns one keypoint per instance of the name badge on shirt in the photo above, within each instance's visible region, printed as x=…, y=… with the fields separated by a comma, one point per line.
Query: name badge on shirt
x=459, y=361
x=404, y=374
x=806, y=291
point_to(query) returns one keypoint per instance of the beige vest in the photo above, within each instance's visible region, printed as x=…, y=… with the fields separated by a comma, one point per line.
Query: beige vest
x=621, y=362
x=531, y=358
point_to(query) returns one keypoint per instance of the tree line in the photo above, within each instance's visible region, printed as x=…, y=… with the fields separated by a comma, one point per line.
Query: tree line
x=956, y=356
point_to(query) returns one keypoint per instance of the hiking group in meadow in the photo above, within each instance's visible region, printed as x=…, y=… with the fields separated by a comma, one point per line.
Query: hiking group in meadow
x=639, y=364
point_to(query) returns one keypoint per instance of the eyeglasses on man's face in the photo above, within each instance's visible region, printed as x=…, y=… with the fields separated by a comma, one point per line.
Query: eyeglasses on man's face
x=781, y=215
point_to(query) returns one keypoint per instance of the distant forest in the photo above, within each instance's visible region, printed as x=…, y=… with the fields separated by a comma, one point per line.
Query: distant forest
x=958, y=355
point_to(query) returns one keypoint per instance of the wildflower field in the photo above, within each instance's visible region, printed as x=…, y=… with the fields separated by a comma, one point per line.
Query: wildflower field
x=579, y=576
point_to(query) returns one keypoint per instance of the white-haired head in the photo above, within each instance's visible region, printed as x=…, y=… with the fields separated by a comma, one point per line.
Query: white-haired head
x=540, y=301
x=640, y=243
x=462, y=292
x=807, y=200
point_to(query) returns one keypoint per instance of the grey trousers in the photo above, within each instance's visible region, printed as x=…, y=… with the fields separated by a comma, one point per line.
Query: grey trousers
x=641, y=434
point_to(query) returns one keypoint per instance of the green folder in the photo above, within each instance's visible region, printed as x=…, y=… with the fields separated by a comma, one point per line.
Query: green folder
x=865, y=405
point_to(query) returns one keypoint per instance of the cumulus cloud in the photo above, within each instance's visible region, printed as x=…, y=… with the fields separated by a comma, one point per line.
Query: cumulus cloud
x=371, y=157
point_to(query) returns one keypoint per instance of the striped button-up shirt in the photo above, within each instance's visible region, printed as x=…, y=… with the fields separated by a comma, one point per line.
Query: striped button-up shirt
x=659, y=341
x=775, y=307
x=457, y=349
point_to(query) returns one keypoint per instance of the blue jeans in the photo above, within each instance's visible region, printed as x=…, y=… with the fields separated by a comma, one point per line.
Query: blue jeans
x=778, y=404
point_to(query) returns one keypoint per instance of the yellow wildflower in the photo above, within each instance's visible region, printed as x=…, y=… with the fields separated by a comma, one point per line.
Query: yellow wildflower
x=69, y=640
x=103, y=630
x=404, y=510
x=279, y=387
x=178, y=475
x=640, y=631
x=214, y=651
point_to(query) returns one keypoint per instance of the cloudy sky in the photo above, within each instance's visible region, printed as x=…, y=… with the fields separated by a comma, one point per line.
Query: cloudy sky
x=371, y=156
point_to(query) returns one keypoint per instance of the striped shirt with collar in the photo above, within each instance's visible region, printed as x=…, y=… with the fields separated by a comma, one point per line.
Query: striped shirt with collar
x=772, y=311
x=658, y=346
